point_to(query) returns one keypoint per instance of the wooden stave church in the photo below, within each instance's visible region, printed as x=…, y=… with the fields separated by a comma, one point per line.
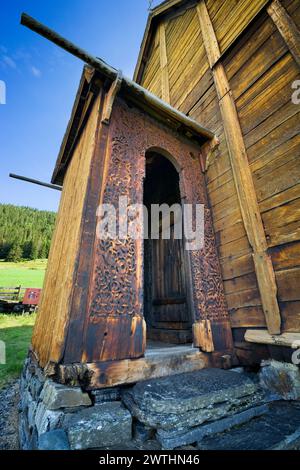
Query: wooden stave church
x=258, y=259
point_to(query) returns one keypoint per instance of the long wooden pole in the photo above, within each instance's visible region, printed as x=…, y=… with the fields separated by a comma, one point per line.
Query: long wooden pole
x=110, y=72
x=34, y=181
x=242, y=176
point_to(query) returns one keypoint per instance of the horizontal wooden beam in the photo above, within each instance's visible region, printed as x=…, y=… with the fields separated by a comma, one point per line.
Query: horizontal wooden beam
x=291, y=340
x=111, y=373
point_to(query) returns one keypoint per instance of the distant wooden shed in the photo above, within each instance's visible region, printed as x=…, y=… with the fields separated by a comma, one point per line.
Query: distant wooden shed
x=109, y=307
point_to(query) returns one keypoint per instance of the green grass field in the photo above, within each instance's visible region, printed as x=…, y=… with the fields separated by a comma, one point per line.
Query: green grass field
x=16, y=330
x=26, y=273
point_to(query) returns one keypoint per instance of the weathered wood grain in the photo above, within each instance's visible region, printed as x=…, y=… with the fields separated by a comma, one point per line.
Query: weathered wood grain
x=233, y=267
x=287, y=233
x=286, y=27
x=286, y=256
x=53, y=317
x=235, y=248
x=260, y=69
x=165, y=89
x=288, y=281
x=248, y=45
x=275, y=191
x=78, y=311
x=273, y=96
x=242, y=177
x=290, y=312
x=247, y=298
x=203, y=337
x=238, y=16
x=252, y=316
x=281, y=216
x=263, y=337
x=241, y=283
x=152, y=77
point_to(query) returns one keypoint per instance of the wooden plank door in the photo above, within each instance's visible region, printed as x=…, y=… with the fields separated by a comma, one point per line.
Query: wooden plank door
x=168, y=317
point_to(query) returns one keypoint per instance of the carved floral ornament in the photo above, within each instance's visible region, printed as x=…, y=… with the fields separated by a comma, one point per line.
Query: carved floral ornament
x=116, y=289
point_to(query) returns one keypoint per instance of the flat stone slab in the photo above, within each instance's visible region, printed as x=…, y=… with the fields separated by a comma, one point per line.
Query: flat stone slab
x=103, y=425
x=186, y=400
x=277, y=429
x=173, y=438
x=56, y=396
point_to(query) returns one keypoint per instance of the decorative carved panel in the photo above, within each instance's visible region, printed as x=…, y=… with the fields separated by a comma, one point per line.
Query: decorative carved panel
x=116, y=287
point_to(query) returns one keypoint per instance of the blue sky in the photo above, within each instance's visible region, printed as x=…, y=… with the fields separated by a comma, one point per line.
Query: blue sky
x=41, y=81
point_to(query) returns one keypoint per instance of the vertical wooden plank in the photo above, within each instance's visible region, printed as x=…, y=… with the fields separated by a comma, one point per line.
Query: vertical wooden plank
x=165, y=89
x=78, y=311
x=202, y=336
x=51, y=326
x=211, y=45
x=286, y=27
x=242, y=176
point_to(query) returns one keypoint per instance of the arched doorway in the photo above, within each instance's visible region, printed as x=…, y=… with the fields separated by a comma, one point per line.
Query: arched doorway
x=167, y=309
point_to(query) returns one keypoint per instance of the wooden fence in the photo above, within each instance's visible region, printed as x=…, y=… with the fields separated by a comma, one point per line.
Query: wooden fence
x=12, y=293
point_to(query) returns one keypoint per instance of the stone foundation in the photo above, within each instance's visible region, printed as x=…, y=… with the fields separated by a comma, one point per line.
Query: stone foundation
x=161, y=413
x=59, y=417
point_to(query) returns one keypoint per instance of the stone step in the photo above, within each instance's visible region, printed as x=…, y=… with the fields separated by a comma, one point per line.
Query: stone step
x=277, y=429
x=178, y=406
x=171, y=440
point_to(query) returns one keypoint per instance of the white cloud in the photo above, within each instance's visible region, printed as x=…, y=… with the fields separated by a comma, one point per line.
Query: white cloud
x=9, y=61
x=18, y=60
x=21, y=54
x=35, y=71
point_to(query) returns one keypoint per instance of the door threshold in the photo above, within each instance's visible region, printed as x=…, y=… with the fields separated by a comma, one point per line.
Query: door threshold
x=157, y=348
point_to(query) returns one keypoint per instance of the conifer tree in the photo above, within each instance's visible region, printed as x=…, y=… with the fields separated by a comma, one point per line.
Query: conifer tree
x=15, y=253
x=28, y=228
